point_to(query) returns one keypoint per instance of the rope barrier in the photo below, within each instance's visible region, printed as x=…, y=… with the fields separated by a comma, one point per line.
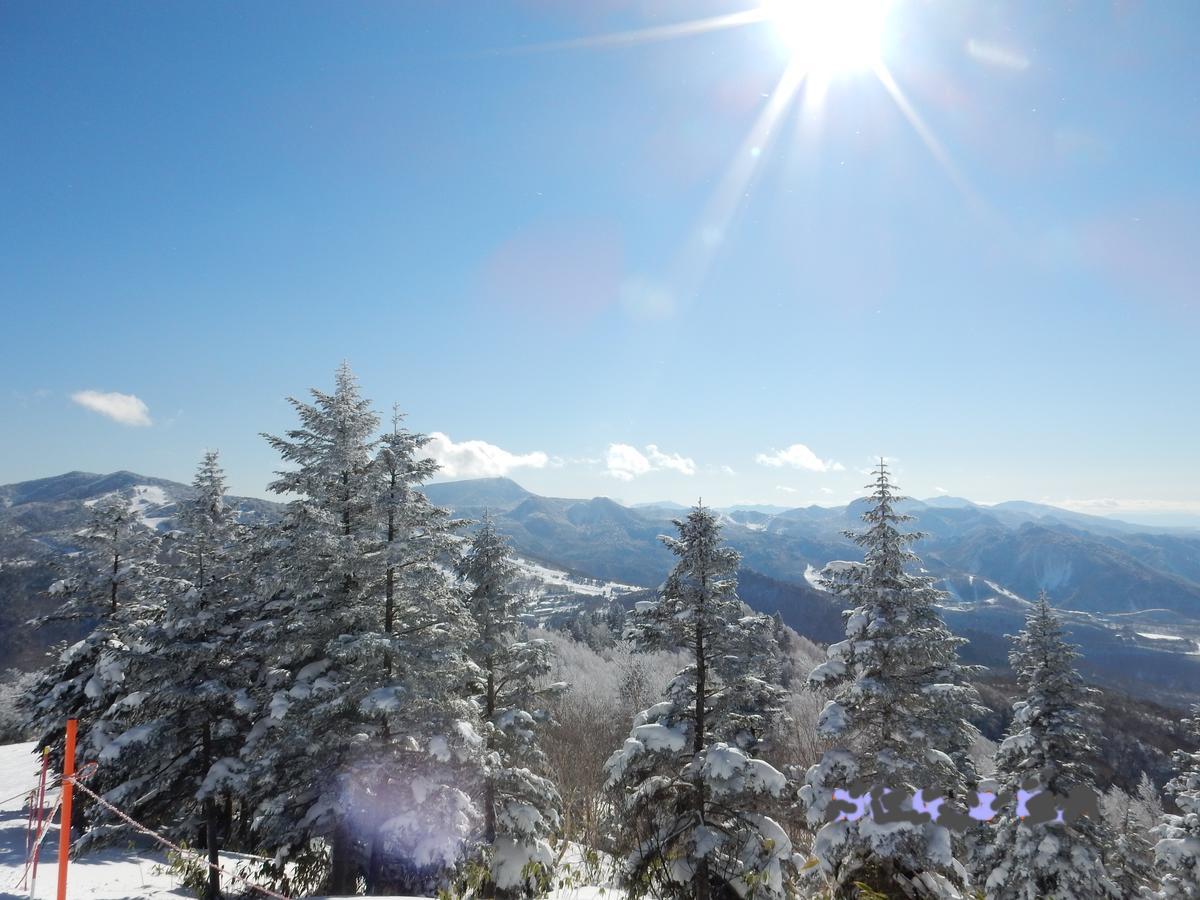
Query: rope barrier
x=18, y=796
x=166, y=842
x=37, y=843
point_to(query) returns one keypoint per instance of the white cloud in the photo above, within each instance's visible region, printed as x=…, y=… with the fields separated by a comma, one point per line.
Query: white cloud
x=786, y=489
x=626, y=462
x=727, y=470
x=940, y=490
x=478, y=459
x=674, y=461
x=798, y=456
x=825, y=490
x=124, y=408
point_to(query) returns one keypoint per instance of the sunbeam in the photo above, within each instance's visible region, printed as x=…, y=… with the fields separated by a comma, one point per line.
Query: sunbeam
x=826, y=40
x=723, y=205
x=645, y=35
x=929, y=139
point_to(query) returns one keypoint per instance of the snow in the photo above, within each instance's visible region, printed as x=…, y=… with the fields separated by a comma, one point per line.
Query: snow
x=114, y=873
x=136, y=735
x=827, y=671
x=145, y=498
x=832, y=719
x=147, y=495
x=1159, y=637
x=555, y=578
x=818, y=578
x=1004, y=592
x=660, y=737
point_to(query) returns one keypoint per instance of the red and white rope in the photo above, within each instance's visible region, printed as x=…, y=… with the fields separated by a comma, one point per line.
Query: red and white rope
x=166, y=842
x=38, y=842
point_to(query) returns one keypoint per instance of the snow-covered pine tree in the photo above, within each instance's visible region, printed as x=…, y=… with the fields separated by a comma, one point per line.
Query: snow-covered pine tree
x=1147, y=800
x=1177, y=853
x=110, y=582
x=355, y=758
x=693, y=797
x=416, y=535
x=900, y=716
x=521, y=806
x=1050, y=742
x=182, y=714
x=1129, y=858
x=429, y=633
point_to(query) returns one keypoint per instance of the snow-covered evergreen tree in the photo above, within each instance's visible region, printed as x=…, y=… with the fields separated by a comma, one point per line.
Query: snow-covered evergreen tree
x=182, y=714
x=1130, y=856
x=366, y=726
x=1051, y=744
x=521, y=806
x=110, y=582
x=694, y=797
x=1177, y=853
x=899, y=717
x=416, y=534
x=1147, y=800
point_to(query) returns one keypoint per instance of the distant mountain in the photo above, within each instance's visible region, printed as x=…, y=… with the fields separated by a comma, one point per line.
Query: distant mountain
x=947, y=502
x=1085, y=562
x=661, y=504
x=1131, y=595
x=496, y=494
x=1114, y=582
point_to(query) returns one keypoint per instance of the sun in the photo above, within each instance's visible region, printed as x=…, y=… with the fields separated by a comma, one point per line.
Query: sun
x=830, y=36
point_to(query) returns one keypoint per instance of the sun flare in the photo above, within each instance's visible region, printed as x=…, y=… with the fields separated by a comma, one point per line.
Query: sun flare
x=830, y=36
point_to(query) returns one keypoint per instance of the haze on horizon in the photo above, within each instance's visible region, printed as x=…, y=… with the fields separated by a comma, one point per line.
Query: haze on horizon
x=615, y=250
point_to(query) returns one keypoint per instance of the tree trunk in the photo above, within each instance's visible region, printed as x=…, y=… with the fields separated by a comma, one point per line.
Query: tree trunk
x=341, y=871
x=700, y=887
x=113, y=584
x=375, y=866
x=488, y=887
x=213, y=891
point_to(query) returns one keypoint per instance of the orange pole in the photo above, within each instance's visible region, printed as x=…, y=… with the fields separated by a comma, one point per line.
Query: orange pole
x=64, y=825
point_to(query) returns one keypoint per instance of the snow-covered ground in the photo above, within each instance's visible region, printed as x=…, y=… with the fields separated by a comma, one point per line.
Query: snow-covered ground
x=145, y=498
x=115, y=873
x=131, y=871
x=554, y=579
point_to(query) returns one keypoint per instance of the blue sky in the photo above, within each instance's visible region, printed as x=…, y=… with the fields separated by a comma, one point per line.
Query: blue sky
x=572, y=252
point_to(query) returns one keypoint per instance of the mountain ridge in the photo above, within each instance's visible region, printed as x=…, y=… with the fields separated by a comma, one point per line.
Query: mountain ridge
x=1127, y=594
